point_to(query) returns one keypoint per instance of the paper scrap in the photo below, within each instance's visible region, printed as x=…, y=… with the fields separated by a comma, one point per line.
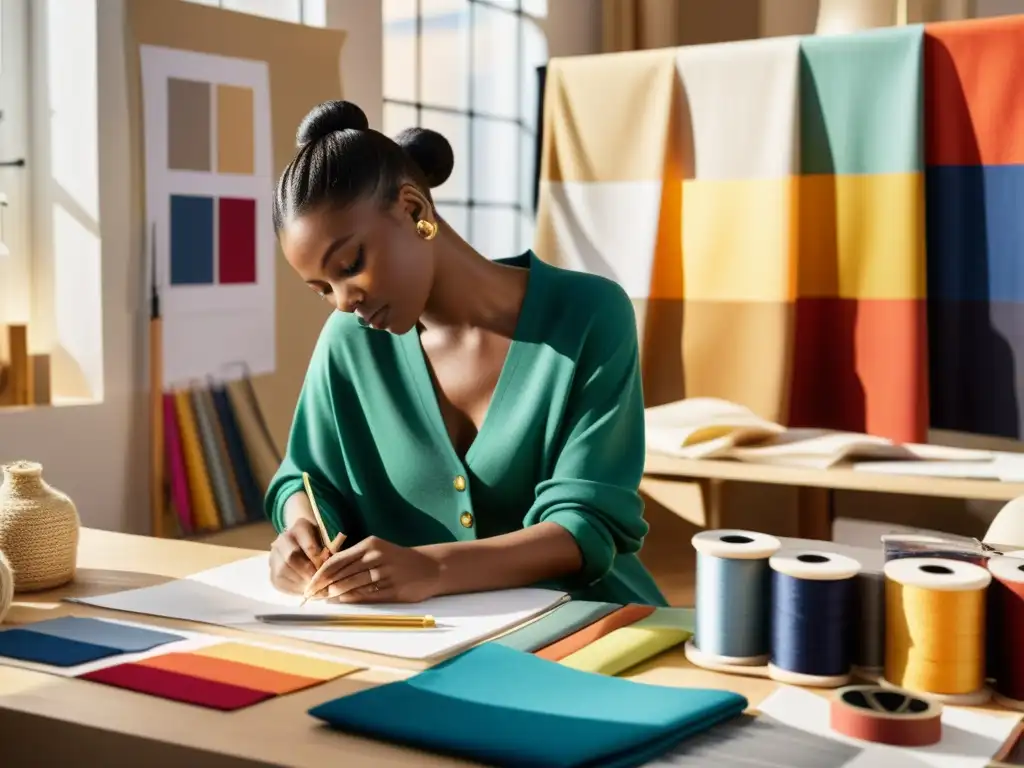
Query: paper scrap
x=969, y=737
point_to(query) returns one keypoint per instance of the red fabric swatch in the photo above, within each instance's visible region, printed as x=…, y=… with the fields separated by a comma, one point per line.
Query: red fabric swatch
x=626, y=615
x=236, y=240
x=177, y=687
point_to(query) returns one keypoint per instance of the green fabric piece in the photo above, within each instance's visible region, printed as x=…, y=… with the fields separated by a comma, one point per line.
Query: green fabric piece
x=552, y=627
x=497, y=706
x=861, y=102
x=668, y=618
x=563, y=440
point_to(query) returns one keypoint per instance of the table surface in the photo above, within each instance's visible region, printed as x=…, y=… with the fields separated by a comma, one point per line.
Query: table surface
x=841, y=478
x=279, y=731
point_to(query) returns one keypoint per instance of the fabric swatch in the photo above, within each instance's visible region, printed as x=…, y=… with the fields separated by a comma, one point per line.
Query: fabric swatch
x=110, y=634
x=624, y=648
x=499, y=706
x=623, y=617
x=296, y=664
x=25, y=645
x=177, y=687
x=552, y=627
x=230, y=672
x=668, y=618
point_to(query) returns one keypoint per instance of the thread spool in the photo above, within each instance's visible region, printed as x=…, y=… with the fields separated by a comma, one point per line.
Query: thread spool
x=935, y=628
x=869, y=612
x=1007, y=626
x=813, y=602
x=6, y=586
x=731, y=617
x=872, y=713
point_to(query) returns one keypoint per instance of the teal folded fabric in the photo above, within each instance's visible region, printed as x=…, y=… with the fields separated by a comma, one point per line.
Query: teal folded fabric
x=503, y=707
x=561, y=622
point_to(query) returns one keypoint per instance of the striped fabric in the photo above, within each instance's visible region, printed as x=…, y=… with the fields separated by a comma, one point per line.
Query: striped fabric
x=763, y=204
x=975, y=197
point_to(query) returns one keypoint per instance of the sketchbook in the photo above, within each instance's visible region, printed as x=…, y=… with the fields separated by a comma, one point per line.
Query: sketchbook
x=233, y=595
x=708, y=428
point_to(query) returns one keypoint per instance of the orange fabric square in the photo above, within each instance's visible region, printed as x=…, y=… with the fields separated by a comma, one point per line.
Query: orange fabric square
x=626, y=615
x=230, y=672
x=974, y=105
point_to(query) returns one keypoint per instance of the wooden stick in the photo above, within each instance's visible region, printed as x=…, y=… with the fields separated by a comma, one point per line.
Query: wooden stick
x=158, y=500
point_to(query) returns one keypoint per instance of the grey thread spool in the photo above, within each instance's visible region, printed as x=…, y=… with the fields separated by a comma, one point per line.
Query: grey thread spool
x=731, y=622
x=869, y=655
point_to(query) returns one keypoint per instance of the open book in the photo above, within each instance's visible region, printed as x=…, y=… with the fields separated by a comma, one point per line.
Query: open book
x=708, y=428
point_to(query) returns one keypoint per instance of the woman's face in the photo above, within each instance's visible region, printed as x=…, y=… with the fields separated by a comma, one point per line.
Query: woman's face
x=366, y=259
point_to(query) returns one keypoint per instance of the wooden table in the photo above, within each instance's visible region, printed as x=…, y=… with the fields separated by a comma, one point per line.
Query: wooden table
x=48, y=719
x=816, y=487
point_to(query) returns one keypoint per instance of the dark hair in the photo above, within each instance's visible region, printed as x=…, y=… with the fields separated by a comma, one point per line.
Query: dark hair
x=340, y=159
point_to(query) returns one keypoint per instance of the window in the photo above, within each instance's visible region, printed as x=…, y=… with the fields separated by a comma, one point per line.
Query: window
x=468, y=69
x=310, y=12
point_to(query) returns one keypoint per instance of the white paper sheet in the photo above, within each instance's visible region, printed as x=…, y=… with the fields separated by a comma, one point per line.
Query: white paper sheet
x=969, y=738
x=234, y=594
x=235, y=322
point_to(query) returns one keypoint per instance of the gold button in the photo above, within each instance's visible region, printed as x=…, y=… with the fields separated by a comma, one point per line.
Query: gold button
x=466, y=519
x=459, y=483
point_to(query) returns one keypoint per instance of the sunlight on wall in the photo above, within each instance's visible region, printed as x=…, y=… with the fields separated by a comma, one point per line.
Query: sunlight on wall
x=70, y=274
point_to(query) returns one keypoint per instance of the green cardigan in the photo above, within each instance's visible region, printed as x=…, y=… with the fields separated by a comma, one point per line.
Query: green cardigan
x=562, y=441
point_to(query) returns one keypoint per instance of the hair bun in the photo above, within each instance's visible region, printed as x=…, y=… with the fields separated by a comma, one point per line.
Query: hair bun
x=430, y=151
x=328, y=117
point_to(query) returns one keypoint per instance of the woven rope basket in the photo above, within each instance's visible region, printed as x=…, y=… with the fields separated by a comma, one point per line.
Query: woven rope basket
x=38, y=529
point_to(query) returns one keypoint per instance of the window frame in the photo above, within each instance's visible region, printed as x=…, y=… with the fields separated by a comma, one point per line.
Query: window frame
x=519, y=209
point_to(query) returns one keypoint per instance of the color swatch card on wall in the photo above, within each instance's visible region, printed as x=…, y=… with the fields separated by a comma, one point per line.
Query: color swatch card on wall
x=209, y=180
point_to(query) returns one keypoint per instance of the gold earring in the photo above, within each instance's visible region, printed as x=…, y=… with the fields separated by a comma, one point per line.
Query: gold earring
x=426, y=229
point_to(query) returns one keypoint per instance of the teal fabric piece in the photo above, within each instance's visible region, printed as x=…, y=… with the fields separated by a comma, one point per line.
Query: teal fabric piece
x=500, y=706
x=561, y=622
x=668, y=618
x=861, y=102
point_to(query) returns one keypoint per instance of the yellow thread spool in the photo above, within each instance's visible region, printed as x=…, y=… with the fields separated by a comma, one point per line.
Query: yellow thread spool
x=935, y=625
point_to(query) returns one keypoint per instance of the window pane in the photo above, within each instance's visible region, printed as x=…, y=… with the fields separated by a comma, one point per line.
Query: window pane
x=314, y=13
x=283, y=10
x=495, y=232
x=400, y=49
x=527, y=169
x=444, y=53
x=511, y=5
x=398, y=117
x=535, y=54
x=495, y=61
x=527, y=226
x=455, y=128
x=495, y=161
x=536, y=8
x=457, y=217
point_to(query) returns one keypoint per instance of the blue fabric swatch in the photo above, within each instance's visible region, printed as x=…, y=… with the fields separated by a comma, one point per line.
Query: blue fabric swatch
x=25, y=645
x=191, y=240
x=109, y=634
x=501, y=706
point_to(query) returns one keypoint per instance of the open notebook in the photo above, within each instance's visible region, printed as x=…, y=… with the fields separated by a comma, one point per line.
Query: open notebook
x=708, y=428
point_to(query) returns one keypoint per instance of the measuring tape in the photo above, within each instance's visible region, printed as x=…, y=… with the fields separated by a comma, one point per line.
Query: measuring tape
x=886, y=716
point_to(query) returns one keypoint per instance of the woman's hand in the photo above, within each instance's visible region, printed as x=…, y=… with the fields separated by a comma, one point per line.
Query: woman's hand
x=295, y=555
x=377, y=571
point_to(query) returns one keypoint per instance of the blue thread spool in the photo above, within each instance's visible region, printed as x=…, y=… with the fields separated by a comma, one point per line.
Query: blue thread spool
x=733, y=598
x=814, y=603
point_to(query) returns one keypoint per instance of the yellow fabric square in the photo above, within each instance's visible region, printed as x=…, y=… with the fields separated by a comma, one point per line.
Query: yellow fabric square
x=633, y=94
x=236, y=145
x=862, y=236
x=279, y=661
x=625, y=648
x=739, y=239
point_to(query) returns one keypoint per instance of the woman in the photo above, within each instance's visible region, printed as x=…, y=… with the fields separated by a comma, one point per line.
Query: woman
x=467, y=424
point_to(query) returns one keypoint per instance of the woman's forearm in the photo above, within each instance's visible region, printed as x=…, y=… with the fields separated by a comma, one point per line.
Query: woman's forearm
x=518, y=559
